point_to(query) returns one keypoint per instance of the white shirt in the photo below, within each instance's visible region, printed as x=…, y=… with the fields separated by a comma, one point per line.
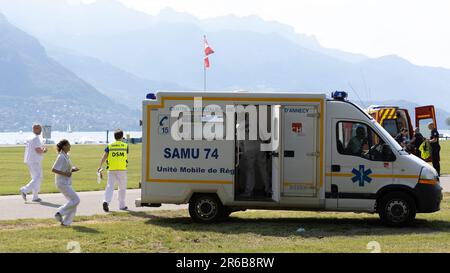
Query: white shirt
x=62, y=164
x=31, y=156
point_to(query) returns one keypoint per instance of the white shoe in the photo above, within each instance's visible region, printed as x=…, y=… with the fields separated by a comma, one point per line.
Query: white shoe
x=59, y=218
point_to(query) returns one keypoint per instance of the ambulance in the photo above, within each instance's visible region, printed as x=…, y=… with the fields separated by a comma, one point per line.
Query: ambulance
x=315, y=153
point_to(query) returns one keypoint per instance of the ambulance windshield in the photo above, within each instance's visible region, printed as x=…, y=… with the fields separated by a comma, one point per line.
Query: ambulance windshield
x=388, y=137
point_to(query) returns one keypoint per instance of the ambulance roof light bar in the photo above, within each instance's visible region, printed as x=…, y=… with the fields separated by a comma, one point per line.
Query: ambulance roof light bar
x=339, y=95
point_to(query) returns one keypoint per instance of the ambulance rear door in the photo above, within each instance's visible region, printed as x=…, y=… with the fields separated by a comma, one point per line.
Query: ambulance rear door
x=425, y=115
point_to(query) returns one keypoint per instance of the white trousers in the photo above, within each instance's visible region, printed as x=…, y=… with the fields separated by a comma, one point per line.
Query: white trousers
x=69, y=209
x=34, y=185
x=119, y=178
x=256, y=163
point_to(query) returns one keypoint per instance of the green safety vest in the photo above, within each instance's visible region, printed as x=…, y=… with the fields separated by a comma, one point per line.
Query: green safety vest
x=117, y=156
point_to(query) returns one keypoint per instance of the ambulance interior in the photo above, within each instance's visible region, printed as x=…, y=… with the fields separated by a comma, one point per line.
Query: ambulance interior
x=358, y=139
x=253, y=175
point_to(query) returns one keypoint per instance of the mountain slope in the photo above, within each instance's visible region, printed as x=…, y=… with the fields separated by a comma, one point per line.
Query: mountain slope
x=250, y=53
x=33, y=87
x=57, y=20
x=397, y=79
x=111, y=81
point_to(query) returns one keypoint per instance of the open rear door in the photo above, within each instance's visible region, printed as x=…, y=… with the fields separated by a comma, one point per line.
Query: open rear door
x=425, y=115
x=276, y=148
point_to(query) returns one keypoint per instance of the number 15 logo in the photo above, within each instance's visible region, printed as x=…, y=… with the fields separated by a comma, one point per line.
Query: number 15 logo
x=163, y=121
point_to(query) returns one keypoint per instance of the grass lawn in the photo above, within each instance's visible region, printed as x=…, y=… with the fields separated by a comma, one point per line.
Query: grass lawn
x=14, y=173
x=445, y=157
x=252, y=231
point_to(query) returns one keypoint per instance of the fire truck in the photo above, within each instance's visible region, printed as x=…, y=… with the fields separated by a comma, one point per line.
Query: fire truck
x=394, y=118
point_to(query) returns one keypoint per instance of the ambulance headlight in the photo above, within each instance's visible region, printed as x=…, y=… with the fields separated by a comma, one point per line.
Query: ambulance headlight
x=428, y=176
x=339, y=95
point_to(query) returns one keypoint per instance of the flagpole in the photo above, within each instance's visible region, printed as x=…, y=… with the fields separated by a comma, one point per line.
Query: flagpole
x=204, y=66
x=204, y=77
x=208, y=51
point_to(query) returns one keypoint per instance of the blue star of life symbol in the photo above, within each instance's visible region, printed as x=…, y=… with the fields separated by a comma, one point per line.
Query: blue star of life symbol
x=361, y=175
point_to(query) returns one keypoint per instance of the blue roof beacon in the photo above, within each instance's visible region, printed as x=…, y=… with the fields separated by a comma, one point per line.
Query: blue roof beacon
x=339, y=95
x=151, y=96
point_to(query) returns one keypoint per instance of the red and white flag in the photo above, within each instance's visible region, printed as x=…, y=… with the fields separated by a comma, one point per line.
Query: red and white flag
x=208, y=51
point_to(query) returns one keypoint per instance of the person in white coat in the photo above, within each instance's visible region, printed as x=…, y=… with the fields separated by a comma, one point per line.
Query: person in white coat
x=63, y=170
x=34, y=154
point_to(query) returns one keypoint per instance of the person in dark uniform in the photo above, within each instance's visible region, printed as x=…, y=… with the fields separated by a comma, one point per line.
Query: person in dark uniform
x=401, y=137
x=435, y=148
x=417, y=141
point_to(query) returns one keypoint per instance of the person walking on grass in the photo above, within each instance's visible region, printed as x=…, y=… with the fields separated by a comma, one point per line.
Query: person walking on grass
x=63, y=170
x=116, y=157
x=34, y=154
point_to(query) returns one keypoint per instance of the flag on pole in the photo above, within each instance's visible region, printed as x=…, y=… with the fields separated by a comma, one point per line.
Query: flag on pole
x=208, y=51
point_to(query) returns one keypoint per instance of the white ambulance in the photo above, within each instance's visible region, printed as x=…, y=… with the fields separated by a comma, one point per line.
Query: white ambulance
x=325, y=154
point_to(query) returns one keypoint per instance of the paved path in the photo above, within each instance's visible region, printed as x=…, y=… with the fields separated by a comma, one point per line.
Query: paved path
x=13, y=207
x=445, y=183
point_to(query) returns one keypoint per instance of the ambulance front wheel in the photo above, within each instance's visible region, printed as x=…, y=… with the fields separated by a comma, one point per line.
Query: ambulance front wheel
x=397, y=209
x=206, y=208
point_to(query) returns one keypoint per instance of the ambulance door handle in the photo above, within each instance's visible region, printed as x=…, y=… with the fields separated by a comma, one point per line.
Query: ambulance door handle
x=289, y=154
x=336, y=168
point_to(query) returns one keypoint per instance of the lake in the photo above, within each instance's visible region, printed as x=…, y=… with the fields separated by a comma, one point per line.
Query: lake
x=19, y=138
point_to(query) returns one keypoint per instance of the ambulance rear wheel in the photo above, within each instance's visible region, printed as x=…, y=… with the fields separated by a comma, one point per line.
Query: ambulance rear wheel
x=205, y=208
x=397, y=209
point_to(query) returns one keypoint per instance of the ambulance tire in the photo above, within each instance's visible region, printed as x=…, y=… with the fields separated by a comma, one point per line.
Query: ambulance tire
x=397, y=209
x=206, y=208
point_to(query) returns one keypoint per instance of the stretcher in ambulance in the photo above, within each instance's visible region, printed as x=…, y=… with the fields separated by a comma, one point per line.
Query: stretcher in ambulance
x=222, y=152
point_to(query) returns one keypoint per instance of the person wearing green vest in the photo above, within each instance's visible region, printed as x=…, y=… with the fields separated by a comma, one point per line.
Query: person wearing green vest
x=116, y=157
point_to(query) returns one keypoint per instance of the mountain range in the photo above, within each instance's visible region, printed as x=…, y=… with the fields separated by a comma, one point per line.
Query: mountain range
x=121, y=86
x=34, y=87
x=123, y=54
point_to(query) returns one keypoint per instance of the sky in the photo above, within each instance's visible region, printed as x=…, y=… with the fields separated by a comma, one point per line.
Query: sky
x=416, y=30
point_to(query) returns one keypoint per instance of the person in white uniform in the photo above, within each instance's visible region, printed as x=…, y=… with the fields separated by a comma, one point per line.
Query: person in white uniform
x=63, y=170
x=34, y=154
